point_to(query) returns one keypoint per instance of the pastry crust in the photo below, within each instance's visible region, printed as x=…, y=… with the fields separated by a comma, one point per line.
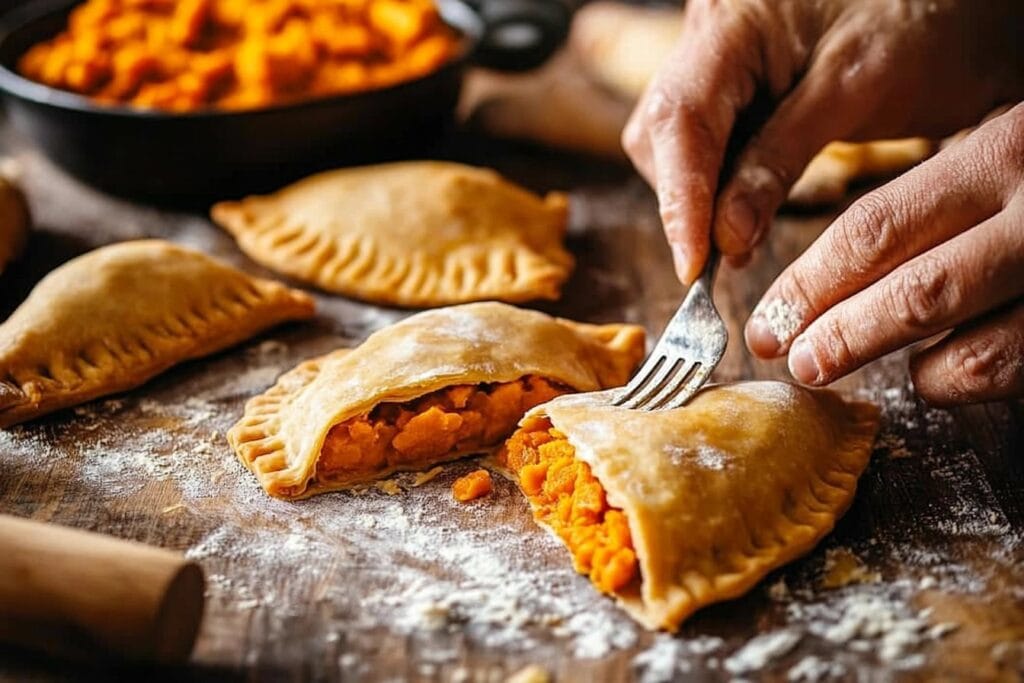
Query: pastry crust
x=424, y=233
x=113, y=318
x=740, y=481
x=282, y=432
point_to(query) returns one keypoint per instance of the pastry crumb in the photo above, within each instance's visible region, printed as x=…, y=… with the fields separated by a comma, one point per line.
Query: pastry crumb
x=843, y=568
x=388, y=486
x=476, y=484
x=422, y=478
x=532, y=673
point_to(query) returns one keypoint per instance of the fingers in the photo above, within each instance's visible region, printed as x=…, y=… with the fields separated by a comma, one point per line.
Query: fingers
x=982, y=362
x=963, y=278
x=925, y=207
x=774, y=159
x=676, y=137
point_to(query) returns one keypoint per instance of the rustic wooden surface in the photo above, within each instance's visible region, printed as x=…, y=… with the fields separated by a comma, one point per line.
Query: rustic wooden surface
x=951, y=508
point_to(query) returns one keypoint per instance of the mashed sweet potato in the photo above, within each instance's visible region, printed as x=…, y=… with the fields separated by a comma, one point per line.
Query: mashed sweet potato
x=567, y=497
x=183, y=55
x=460, y=418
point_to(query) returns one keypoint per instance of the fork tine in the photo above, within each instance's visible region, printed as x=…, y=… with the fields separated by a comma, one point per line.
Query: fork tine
x=689, y=388
x=665, y=377
x=672, y=389
x=641, y=377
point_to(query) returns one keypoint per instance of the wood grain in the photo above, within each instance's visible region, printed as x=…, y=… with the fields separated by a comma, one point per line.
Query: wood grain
x=952, y=507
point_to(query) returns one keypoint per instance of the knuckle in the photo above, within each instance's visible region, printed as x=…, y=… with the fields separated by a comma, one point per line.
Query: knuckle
x=835, y=348
x=867, y=232
x=633, y=138
x=970, y=369
x=922, y=296
x=764, y=171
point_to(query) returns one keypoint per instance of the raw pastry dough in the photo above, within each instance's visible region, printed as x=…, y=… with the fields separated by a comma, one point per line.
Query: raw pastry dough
x=424, y=233
x=715, y=495
x=434, y=387
x=115, y=317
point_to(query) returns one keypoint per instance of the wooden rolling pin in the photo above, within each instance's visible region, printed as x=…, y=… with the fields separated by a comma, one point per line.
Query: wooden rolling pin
x=79, y=594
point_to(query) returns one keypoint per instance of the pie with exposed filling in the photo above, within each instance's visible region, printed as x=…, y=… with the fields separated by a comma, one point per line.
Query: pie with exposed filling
x=115, y=317
x=437, y=386
x=669, y=511
x=418, y=234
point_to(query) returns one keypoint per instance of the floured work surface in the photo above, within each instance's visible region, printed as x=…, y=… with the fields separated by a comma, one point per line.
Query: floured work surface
x=923, y=577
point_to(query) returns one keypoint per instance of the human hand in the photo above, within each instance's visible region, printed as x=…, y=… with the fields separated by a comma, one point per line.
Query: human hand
x=940, y=248
x=830, y=70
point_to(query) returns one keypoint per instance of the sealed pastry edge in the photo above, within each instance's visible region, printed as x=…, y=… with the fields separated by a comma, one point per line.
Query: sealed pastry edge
x=146, y=351
x=860, y=426
x=329, y=262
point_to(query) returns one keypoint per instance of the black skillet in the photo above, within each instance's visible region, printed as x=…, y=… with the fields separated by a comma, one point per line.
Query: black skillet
x=182, y=158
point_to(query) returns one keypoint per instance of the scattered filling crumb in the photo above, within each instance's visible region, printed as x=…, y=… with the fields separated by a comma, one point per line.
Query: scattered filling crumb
x=454, y=420
x=566, y=497
x=474, y=485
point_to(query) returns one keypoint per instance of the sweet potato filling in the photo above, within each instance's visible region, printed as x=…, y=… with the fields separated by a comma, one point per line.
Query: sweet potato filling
x=476, y=484
x=456, y=419
x=567, y=497
x=185, y=55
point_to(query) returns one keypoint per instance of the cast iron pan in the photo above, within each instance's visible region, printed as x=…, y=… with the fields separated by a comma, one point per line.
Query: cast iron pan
x=185, y=158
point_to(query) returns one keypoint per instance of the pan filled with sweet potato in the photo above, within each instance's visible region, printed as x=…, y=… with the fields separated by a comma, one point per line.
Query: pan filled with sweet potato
x=176, y=100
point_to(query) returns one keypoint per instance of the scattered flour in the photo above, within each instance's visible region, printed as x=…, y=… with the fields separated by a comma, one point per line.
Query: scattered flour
x=783, y=319
x=761, y=650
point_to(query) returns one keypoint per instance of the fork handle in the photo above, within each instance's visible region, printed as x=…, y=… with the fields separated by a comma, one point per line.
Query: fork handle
x=707, y=273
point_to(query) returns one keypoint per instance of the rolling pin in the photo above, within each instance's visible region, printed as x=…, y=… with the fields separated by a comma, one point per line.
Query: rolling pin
x=78, y=594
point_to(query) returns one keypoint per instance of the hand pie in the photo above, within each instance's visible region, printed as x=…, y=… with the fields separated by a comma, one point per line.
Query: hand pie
x=115, y=317
x=424, y=233
x=437, y=386
x=672, y=510
x=829, y=174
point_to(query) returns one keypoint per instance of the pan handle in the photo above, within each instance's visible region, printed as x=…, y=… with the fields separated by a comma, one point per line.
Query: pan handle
x=520, y=34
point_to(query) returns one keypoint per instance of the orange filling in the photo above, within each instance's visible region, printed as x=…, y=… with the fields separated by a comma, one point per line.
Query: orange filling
x=566, y=497
x=451, y=421
x=472, y=486
x=183, y=55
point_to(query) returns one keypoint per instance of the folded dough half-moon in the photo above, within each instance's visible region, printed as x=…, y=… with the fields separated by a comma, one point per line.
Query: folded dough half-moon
x=415, y=233
x=672, y=510
x=434, y=387
x=117, y=316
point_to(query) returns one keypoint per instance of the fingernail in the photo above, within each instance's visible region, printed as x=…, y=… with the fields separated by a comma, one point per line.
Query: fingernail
x=741, y=218
x=802, y=364
x=772, y=326
x=681, y=259
x=760, y=338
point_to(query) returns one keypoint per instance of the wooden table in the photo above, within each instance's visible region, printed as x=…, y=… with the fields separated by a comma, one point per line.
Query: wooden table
x=341, y=587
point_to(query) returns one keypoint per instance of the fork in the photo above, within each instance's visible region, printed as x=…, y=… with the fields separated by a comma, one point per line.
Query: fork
x=689, y=349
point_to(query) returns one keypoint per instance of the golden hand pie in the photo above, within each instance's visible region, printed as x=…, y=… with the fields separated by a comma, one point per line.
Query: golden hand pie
x=436, y=386
x=113, y=318
x=829, y=174
x=423, y=233
x=14, y=221
x=672, y=510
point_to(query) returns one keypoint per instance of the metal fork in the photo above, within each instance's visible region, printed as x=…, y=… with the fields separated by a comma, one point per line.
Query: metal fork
x=689, y=349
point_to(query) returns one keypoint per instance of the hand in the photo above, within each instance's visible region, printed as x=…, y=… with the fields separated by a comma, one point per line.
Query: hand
x=939, y=248
x=822, y=71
